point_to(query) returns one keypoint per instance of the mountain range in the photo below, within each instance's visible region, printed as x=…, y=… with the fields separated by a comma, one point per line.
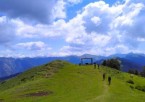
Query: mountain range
x=12, y=66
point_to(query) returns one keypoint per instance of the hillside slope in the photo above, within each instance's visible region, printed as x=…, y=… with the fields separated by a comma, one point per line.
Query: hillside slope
x=60, y=81
x=10, y=66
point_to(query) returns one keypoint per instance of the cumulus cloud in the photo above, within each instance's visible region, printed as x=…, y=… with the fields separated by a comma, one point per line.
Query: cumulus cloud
x=100, y=11
x=76, y=50
x=33, y=46
x=25, y=30
x=43, y=11
x=113, y=29
x=98, y=28
x=96, y=20
x=28, y=49
x=7, y=30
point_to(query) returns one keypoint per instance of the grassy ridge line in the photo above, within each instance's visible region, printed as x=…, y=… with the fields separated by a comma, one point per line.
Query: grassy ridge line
x=35, y=73
x=73, y=83
x=72, y=78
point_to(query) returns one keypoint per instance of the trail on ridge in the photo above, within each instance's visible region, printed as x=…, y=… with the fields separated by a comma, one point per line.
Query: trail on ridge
x=102, y=97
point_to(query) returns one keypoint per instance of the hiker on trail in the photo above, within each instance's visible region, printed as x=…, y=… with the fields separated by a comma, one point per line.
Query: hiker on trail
x=94, y=65
x=104, y=75
x=109, y=80
x=98, y=66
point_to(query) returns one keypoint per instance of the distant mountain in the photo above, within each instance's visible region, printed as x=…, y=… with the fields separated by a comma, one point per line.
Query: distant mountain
x=130, y=61
x=117, y=55
x=8, y=77
x=11, y=66
x=136, y=58
x=126, y=65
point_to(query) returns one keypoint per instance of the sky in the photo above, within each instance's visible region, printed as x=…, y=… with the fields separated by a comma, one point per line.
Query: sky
x=40, y=28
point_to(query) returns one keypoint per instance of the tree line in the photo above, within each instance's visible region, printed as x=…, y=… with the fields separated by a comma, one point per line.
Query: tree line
x=113, y=63
x=116, y=64
x=136, y=72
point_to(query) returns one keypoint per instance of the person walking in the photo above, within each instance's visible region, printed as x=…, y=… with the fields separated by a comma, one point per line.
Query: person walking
x=104, y=76
x=109, y=80
x=94, y=65
x=98, y=66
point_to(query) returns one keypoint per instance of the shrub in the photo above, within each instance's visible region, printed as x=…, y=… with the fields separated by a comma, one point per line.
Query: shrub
x=130, y=81
x=132, y=87
x=3, y=82
x=133, y=71
x=141, y=88
x=23, y=79
x=143, y=72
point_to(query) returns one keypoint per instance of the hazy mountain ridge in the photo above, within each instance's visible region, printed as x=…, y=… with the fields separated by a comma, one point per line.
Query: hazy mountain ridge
x=132, y=61
x=10, y=66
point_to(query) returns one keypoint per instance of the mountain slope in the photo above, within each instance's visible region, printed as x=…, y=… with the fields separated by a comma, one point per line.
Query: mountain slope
x=10, y=66
x=60, y=81
x=127, y=65
x=131, y=61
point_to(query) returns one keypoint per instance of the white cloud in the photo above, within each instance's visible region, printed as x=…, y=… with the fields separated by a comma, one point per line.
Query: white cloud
x=38, y=11
x=59, y=10
x=33, y=11
x=28, y=49
x=96, y=20
x=127, y=15
x=74, y=1
x=99, y=28
x=25, y=30
x=75, y=50
x=113, y=29
x=141, y=39
x=7, y=30
x=33, y=46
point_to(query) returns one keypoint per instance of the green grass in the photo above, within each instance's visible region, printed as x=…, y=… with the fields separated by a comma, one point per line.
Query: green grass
x=72, y=83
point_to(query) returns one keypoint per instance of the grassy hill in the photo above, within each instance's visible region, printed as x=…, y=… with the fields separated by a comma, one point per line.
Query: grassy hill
x=61, y=81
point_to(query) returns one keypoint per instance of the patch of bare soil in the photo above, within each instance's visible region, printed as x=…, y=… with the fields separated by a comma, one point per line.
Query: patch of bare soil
x=1, y=100
x=39, y=93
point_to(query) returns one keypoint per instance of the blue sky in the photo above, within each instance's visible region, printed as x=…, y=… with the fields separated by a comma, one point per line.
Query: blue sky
x=30, y=28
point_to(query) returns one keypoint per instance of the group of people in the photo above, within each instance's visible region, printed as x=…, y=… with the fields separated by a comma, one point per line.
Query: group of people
x=109, y=78
x=95, y=65
x=104, y=74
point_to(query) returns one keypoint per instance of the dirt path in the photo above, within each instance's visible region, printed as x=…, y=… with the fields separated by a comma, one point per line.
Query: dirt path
x=105, y=91
x=101, y=98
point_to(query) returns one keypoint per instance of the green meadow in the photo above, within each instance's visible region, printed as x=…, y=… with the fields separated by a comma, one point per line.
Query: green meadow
x=60, y=81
